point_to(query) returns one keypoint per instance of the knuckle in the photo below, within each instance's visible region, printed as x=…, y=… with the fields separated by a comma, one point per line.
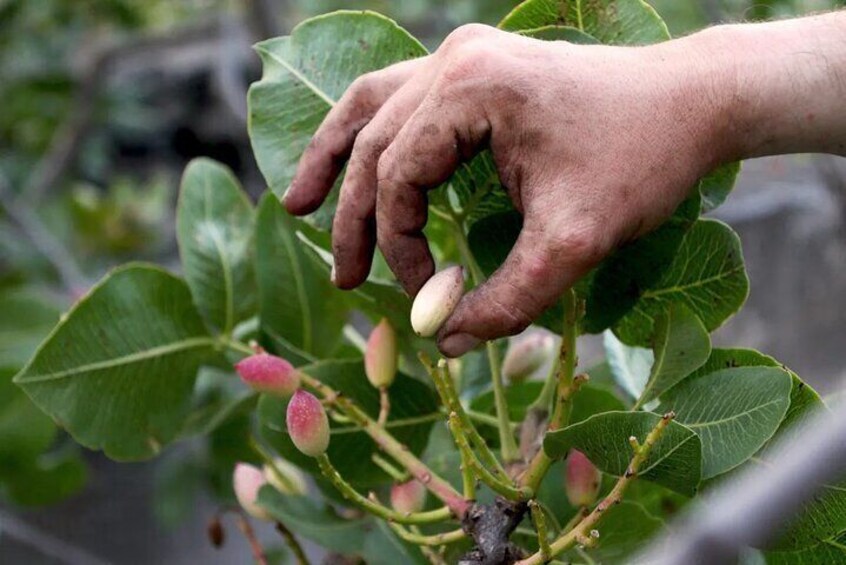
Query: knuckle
x=362, y=90
x=464, y=34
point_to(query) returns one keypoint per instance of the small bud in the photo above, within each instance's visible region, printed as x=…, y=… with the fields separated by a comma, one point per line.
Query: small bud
x=408, y=497
x=270, y=374
x=216, y=533
x=247, y=480
x=583, y=479
x=526, y=356
x=380, y=357
x=292, y=481
x=436, y=301
x=308, y=424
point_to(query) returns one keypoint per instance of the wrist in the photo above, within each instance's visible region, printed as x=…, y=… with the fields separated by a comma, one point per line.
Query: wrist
x=773, y=88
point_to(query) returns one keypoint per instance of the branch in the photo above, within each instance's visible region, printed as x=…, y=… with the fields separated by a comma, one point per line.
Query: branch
x=430, y=540
x=375, y=508
x=582, y=532
x=292, y=544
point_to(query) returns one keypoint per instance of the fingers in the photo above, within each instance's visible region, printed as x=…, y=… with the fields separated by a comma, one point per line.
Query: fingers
x=425, y=152
x=323, y=159
x=535, y=274
x=354, y=227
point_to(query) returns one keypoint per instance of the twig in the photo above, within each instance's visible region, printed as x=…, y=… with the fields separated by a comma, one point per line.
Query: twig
x=539, y=520
x=250, y=534
x=376, y=508
x=292, y=544
x=507, y=490
x=390, y=470
x=581, y=533
x=449, y=396
x=384, y=406
x=430, y=540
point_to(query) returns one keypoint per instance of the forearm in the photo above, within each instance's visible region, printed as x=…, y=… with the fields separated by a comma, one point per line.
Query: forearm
x=777, y=87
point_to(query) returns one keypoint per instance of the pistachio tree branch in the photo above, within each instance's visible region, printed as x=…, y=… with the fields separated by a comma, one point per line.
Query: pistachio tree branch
x=539, y=520
x=449, y=397
x=250, y=535
x=581, y=533
x=428, y=540
x=389, y=469
x=505, y=488
x=376, y=508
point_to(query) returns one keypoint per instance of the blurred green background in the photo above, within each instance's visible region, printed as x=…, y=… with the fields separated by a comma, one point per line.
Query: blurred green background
x=102, y=103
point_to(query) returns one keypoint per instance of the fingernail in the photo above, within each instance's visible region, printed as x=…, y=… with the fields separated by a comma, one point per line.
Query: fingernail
x=458, y=344
x=332, y=275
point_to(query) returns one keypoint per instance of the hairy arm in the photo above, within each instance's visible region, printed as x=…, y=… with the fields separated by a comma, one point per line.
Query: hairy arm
x=595, y=145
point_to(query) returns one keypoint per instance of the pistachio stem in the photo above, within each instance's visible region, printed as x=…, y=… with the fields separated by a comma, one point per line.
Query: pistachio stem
x=486, y=419
x=250, y=535
x=582, y=529
x=376, y=508
x=567, y=385
x=430, y=540
x=449, y=397
x=292, y=544
x=384, y=406
x=270, y=461
x=509, y=491
x=435, y=557
x=389, y=469
x=508, y=445
x=539, y=520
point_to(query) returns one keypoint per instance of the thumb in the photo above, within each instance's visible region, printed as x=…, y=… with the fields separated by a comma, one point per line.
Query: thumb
x=536, y=272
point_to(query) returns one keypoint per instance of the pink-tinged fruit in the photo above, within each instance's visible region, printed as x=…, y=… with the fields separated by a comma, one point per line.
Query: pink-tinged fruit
x=269, y=374
x=285, y=477
x=436, y=301
x=247, y=480
x=307, y=423
x=380, y=356
x=408, y=497
x=583, y=479
x=526, y=356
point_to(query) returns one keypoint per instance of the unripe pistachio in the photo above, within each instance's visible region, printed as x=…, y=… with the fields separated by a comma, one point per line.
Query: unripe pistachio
x=526, y=356
x=436, y=301
x=308, y=424
x=408, y=497
x=247, y=480
x=292, y=481
x=583, y=479
x=270, y=374
x=380, y=356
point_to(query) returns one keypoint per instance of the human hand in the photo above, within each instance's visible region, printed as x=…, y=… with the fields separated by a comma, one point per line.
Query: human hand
x=595, y=145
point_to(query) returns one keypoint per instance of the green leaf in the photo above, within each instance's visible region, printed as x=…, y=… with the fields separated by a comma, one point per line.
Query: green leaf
x=118, y=370
x=716, y=186
x=310, y=519
x=706, y=275
x=297, y=303
x=28, y=316
x=49, y=479
x=305, y=74
x=214, y=228
x=827, y=552
x=629, y=365
x=675, y=461
x=560, y=33
x=613, y=288
x=618, y=22
x=413, y=411
x=383, y=547
x=734, y=412
x=218, y=397
x=681, y=345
